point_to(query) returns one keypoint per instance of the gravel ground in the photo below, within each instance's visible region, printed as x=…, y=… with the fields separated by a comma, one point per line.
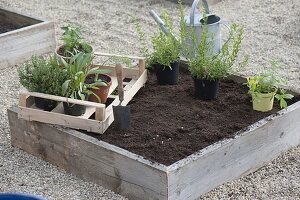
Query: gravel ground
x=272, y=32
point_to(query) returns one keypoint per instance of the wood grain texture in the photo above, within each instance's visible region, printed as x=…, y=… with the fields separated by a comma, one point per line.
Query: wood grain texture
x=19, y=45
x=233, y=158
x=90, y=159
x=33, y=114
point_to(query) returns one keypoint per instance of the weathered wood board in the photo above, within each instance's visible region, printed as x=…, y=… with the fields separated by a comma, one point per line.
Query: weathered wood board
x=17, y=46
x=90, y=159
x=134, y=177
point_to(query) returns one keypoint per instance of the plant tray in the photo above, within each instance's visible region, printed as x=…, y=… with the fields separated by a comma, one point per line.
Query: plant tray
x=26, y=36
x=97, y=117
x=138, y=178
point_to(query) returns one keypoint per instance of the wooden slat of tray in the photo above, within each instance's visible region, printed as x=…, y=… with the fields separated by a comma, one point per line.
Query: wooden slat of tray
x=114, y=85
x=59, y=108
x=134, y=86
x=60, y=119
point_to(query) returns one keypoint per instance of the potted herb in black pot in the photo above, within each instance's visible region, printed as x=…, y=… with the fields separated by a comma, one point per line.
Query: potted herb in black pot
x=73, y=43
x=165, y=55
x=76, y=87
x=43, y=76
x=208, y=68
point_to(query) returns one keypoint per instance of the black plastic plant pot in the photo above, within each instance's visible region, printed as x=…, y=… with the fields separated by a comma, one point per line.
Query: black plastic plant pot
x=45, y=104
x=74, y=109
x=206, y=89
x=165, y=75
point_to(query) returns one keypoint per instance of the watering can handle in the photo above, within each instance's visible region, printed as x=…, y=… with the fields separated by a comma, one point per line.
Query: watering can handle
x=193, y=10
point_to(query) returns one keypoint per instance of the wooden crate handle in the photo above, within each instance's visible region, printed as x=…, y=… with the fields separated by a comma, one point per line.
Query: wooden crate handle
x=119, y=73
x=62, y=99
x=116, y=55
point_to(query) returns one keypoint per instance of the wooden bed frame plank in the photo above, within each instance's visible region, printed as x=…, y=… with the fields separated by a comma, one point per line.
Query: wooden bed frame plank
x=90, y=159
x=19, y=45
x=235, y=158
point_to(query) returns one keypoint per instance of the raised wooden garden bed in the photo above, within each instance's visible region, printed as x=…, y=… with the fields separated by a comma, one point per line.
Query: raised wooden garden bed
x=136, y=177
x=22, y=36
x=133, y=79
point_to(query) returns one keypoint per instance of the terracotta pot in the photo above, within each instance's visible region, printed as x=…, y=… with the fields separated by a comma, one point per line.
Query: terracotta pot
x=59, y=56
x=263, y=102
x=102, y=92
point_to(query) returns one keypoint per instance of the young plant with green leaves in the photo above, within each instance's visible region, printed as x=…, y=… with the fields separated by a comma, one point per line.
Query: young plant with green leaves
x=79, y=67
x=204, y=64
x=73, y=41
x=165, y=48
x=43, y=76
x=268, y=82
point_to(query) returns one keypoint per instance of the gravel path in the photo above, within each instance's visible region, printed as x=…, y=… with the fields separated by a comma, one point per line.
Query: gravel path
x=272, y=32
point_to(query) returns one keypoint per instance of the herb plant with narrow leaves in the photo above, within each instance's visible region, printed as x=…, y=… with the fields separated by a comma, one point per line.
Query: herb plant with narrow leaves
x=165, y=53
x=202, y=62
x=165, y=48
x=43, y=76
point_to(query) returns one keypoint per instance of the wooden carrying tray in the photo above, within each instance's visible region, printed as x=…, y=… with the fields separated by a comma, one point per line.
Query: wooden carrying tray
x=133, y=79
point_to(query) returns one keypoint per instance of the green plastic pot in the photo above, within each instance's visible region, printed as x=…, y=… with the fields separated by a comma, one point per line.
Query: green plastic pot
x=263, y=102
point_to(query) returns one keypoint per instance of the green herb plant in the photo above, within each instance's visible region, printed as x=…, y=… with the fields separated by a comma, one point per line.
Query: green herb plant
x=202, y=62
x=73, y=41
x=268, y=82
x=43, y=76
x=79, y=67
x=165, y=48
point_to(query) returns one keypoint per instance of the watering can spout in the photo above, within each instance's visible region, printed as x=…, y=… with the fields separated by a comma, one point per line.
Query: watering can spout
x=159, y=21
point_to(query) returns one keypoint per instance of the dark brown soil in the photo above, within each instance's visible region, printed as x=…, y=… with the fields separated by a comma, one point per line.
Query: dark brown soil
x=91, y=78
x=6, y=27
x=168, y=123
x=61, y=51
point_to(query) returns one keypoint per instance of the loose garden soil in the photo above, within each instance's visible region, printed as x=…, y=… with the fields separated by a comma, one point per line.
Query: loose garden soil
x=6, y=27
x=168, y=123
